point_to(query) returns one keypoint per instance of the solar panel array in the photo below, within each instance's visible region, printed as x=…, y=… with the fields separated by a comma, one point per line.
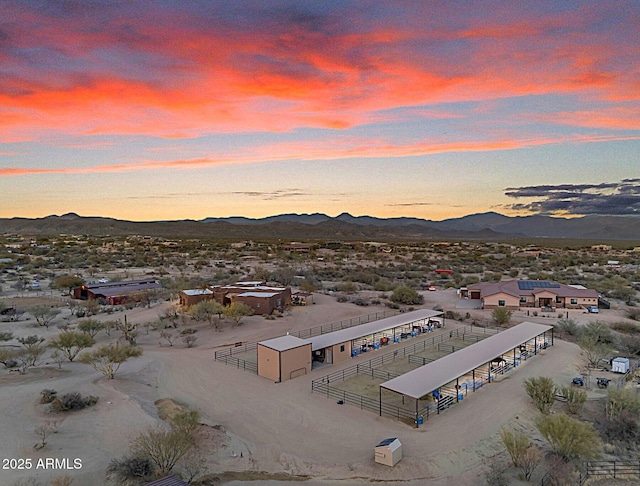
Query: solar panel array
x=537, y=284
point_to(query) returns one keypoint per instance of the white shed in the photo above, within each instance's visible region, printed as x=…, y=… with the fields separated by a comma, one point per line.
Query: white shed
x=389, y=452
x=620, y=365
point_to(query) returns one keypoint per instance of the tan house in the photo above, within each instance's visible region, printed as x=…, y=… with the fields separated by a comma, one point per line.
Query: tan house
x=191, y=297
x=261, y=298
x=514, y=294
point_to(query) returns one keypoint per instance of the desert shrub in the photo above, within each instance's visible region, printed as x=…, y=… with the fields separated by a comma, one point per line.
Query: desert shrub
x=187, y=331
x=453, y=315
x=406, y=295
x=342, y=298
x=516, y=444
x=575, y=398
x=535, y=313
x=568, y=326
x=530, y=461
x=130, y=470
x=623, y=400
x=569, y=438
x=621, y=429
x=562, y=473
x=598, y=331
x=73, y=401
x=347, y=287
x=495, y=473
x=626, y=327
x=501, y=316
x=48, y=396
x=633, y=313
x=361, y=302
x=542, y=391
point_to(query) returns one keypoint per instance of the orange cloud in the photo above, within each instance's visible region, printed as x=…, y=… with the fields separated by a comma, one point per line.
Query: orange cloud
x=170, y=74
x=330, y=150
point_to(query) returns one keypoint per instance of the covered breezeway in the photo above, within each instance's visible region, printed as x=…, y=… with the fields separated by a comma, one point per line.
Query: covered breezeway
x=338, y=346
x=484, y=359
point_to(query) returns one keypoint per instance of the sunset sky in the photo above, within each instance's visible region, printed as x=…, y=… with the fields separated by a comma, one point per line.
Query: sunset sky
x=147, y=110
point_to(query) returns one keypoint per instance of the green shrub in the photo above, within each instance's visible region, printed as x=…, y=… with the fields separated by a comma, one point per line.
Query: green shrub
x=621, y=401
x=575, y=398
x=571, y=439
x=626, y=327
x=568, y=326
x=542, y=392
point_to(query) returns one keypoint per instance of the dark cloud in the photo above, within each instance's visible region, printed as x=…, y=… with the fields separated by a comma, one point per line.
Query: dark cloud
x=613, y=198
x=271, y=195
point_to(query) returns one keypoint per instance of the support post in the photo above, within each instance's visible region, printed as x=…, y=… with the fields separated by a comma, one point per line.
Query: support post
x=473, y=377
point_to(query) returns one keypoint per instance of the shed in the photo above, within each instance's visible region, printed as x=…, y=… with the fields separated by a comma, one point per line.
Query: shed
x=388, y=452
x=620, y=365
x=283, y=358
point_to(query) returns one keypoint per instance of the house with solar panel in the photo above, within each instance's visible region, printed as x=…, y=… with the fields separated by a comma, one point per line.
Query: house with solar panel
x=516, y=294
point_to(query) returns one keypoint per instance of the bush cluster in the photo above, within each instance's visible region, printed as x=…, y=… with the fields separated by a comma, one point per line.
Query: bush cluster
x=72, y=401
x=48, y=396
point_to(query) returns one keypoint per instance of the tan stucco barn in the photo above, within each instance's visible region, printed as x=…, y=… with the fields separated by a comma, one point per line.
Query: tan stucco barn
x=284, y=358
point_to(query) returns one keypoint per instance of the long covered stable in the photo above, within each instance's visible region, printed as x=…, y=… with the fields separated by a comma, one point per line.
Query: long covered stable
x=286, y=357
x=443, y=382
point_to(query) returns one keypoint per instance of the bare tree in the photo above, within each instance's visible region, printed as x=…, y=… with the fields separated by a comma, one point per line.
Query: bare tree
x=169, y=337
x=34, y=346
x=43, y=431
x=189, y=340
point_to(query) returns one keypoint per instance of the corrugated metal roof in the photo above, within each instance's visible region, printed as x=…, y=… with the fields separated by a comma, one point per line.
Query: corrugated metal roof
x=257, y=294
x=355, y=332
x=430, y=377
x=168, y=481
x=284, y=343
x=124, y=290
x=197, y=292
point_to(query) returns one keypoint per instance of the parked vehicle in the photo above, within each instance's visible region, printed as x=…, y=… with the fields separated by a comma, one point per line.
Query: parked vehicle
x=577, y=381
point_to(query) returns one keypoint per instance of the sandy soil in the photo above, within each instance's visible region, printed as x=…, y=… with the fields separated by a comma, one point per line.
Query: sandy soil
x=277, y=428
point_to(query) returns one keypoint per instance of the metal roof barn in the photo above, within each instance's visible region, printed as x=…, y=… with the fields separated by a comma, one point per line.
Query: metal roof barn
x=430, y=377
x=375, y=327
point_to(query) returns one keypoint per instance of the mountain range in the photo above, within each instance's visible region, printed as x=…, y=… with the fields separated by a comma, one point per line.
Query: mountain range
x=482, y=226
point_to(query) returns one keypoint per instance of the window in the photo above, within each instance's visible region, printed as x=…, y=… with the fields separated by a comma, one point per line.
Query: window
x=501, y=303
x=523, y=300
x=574, y=301
x=342, y=348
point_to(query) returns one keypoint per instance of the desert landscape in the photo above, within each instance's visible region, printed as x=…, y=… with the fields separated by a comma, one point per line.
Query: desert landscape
x=257, y=430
